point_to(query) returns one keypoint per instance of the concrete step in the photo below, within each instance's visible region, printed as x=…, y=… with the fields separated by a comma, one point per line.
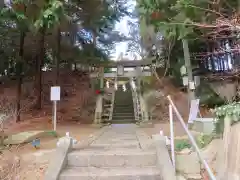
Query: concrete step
x=123, y=118
x=126, y=114
x=124, y=104
x=112, y=158
x=123, y=110
x=123, y=122
x=123, y=107
x=126, y=109
x=104, y=173
x=116, y=145
x=123, y=113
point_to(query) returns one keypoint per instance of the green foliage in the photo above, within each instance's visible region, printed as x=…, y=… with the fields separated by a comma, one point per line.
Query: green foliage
x=147, y=83
x=173, y=17
x=182, y=144
x=231, y=111
x=52, y=133
x=175, y=72
x=16, y=15
x=96, y=16
x=208, y=97
x=50, y=14
x=202, y=141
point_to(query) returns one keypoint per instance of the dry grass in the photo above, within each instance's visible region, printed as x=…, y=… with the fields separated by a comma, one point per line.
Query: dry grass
x=9, y=164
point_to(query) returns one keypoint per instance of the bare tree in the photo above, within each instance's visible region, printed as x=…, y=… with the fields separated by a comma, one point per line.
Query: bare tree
x=134, y=39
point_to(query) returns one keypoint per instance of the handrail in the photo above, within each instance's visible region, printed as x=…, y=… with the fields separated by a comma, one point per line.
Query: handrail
x=191, y=138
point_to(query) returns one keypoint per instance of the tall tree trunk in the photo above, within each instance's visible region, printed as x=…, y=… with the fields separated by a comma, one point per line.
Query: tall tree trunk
x=19, y=73
x=19, y=67
x=40, y=61
x=58, y=54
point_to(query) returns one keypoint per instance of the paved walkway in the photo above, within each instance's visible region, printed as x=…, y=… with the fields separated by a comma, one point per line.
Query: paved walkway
x=118, y=136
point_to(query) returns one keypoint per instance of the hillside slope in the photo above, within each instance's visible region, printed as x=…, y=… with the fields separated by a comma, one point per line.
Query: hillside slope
x=77, y=99
x=179, y=98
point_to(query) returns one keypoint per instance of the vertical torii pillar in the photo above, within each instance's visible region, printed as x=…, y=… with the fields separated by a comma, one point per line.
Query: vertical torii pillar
x=139, y=74
x=101, y=77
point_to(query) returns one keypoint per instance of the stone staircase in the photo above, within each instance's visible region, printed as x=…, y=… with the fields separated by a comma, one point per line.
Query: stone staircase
x=115, y=155
x=123, y=110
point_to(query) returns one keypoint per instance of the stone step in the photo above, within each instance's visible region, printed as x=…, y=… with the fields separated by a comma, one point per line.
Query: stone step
x=123, y=103
x=122, y=121
x=123, y=110
x=123, y=113
x=104, y=173
x=123, y=107
x=116, y=145
x=128, y=114
x=123, y=118
x=112, y=158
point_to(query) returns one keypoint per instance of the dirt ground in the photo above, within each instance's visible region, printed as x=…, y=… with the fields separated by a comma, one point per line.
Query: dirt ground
x=28, y=163
x=178, y=129
x=75, y=112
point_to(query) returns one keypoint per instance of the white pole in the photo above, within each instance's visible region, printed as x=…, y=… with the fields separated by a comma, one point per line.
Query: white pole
x=172, y=136
x=212, y=177
x=54, y=115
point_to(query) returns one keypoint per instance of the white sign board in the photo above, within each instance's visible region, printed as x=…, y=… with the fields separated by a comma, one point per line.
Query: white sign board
x=120, y=70
x=55, y=93
x=194, y=109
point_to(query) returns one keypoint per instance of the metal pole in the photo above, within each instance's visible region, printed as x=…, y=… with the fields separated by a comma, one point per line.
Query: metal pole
x=193, y=142
x=172, y=137
x=55, y=115
x=188, y=65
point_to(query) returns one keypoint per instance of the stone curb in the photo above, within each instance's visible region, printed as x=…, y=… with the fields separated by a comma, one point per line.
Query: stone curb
x=65, y=146
x=145, y=141
x=60, y=159
x=91, y=138
x=163, y=158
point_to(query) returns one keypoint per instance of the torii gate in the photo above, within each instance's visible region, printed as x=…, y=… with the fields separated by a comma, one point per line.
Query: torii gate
x=138, y=72
x=121, y=73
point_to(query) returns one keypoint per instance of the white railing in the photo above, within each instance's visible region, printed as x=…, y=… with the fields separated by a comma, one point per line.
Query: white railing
x=172, y=108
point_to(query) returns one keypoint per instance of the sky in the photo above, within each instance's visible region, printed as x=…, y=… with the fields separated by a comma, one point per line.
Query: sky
x=122, y=26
